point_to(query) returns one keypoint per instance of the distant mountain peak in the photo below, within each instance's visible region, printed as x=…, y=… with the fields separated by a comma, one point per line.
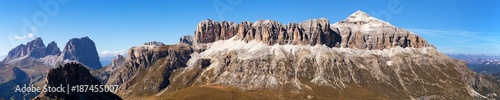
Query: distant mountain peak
x=359, y=16
x=186, y=39
x=52, y=49
x=154, y=43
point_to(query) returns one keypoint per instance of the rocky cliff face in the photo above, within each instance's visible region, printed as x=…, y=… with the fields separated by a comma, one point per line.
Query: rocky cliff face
x=73, y=74
x=209, y=31
x=82, y=50
x=359, y=31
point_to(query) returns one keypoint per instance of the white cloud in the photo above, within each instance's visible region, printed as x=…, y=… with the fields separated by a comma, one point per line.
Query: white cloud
x=107, y=53
x=31, y=35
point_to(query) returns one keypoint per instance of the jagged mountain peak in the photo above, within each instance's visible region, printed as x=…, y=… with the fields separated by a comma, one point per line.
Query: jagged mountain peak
x=52, y=49
x=35, y=48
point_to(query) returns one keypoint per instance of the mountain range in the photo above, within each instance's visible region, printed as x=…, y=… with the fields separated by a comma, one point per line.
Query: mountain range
x=360, y=57
x=485, y=64
x=29, y=63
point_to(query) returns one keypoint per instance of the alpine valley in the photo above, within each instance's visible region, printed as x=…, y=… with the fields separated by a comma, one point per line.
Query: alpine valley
x=360, y=57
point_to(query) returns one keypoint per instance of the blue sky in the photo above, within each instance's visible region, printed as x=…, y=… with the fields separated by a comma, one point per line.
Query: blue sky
x=453, y=26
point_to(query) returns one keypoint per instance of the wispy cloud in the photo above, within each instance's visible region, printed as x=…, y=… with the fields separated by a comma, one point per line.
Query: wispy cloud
x=107, y=53
x=31, y=35
x=460, y=41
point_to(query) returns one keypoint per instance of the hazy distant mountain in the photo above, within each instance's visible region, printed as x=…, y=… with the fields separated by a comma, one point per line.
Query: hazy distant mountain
x=478, y=58
x=487, y=64
x=106, y=60
x=360, y=57
x=187, y=39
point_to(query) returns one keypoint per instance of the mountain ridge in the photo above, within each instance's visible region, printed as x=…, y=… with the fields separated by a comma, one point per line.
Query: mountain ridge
x=349, y=33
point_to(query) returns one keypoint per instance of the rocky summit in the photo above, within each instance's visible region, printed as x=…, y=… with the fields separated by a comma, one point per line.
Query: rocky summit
x=360, y=57
x=81, y=50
